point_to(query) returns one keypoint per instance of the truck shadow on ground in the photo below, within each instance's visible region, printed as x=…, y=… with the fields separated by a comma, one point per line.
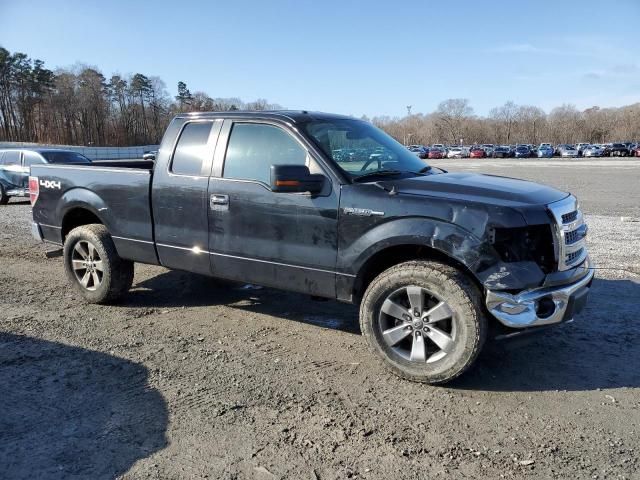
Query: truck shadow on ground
x=71, y=412
x=174, y=288
x=601, y=349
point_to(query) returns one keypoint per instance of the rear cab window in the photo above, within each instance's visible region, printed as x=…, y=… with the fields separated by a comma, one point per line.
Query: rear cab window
x=192, y=149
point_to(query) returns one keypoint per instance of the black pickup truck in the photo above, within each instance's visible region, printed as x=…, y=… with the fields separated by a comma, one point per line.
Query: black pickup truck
x=435, y=260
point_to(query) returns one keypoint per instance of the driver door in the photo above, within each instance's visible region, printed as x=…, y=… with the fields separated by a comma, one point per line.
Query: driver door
x=283, y=240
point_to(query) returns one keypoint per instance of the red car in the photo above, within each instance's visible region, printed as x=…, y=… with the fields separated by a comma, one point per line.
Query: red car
x=477, y=152
x=436, y=153
x=636, y=151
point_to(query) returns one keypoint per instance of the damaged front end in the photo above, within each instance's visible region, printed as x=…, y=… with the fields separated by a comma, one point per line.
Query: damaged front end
x=551, y=260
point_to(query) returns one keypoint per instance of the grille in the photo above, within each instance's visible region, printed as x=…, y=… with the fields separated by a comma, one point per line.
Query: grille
x=571, y=237
x=573, y=256
x=569, y=242
x=570, y=217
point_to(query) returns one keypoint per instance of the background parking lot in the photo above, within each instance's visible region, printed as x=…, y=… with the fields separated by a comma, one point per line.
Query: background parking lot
x=189, y=377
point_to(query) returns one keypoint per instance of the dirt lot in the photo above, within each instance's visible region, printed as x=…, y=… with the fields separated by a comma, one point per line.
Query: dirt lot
x=188, y=378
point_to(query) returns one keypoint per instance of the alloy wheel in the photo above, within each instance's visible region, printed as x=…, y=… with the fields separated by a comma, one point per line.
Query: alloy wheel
x=417, y=325
x=87, y=265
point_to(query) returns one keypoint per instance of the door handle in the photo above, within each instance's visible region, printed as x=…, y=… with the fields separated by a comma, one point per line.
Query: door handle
x=218, y=199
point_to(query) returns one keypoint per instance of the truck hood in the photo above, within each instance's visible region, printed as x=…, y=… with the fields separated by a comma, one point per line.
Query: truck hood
x=474, y=187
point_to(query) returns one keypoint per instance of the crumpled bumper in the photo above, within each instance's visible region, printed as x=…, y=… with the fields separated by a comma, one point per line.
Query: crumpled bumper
x=541, y=306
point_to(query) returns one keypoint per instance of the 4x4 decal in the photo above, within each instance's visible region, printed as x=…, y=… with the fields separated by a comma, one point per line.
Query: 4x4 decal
x=50, y=184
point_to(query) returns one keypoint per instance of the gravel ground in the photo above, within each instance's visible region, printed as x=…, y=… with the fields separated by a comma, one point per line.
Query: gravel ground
x=190, y=378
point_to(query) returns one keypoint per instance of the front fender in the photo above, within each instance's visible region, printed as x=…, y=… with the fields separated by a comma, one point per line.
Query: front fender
x=447, y=238
x=471, y=249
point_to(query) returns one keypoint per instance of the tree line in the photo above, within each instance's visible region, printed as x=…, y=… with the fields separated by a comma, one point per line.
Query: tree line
x=80, y=106
x=454, y=122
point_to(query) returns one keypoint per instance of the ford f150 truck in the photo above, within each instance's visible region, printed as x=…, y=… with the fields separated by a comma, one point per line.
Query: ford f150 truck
x=433, y=259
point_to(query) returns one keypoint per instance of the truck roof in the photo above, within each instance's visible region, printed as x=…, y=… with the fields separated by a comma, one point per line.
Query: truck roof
x=293, y=116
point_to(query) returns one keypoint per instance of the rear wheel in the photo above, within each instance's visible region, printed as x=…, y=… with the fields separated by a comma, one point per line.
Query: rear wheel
x=4, y=198
x=424, y=320
x=93, y=266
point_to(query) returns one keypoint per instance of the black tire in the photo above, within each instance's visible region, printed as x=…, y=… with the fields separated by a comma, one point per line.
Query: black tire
x=447, y=284
x=117, y=274
x=4, y=198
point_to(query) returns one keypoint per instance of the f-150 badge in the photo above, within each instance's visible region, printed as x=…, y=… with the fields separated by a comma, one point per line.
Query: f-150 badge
x=361, y=212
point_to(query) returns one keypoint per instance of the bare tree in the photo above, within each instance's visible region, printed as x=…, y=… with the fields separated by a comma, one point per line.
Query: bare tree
x=452, y=115
x=504, y=118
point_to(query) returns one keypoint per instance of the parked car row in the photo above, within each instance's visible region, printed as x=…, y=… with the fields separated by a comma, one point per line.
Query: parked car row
x=521, y=150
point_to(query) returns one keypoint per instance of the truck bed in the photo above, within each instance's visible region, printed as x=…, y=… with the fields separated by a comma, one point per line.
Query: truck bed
x=119, y=196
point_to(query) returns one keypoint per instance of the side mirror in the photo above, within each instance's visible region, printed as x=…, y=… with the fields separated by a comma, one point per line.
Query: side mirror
x=295, y=178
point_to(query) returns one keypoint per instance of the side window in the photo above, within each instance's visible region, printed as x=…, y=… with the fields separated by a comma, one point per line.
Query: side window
x=191, y=149
x=32, y=158
x=254, y=147
x=11, y=157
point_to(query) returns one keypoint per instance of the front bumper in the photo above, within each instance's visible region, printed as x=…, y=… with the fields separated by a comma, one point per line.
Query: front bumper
x=541, y=306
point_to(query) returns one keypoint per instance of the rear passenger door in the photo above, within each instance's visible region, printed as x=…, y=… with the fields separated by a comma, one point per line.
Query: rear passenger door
x=179, y=198
x=286, y=240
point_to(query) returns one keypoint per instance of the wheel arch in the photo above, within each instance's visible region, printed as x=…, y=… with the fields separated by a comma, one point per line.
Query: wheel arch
x=392, y=255
x=80, y=206
x=76, y=217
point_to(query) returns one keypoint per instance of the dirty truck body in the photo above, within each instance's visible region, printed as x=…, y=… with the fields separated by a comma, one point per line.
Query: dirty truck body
x=435, y=260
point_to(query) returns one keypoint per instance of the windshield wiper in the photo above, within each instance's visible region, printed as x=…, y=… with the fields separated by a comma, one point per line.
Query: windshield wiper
x=381, y=173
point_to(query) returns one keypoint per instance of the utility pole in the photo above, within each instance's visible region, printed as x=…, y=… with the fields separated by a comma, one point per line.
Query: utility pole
x=408, y=110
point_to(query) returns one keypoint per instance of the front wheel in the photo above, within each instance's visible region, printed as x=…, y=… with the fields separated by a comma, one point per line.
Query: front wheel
x=93, y=265
x=424, y=320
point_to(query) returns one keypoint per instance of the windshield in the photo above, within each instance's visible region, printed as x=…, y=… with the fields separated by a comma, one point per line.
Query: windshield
x=359, y=148
x=64, y=157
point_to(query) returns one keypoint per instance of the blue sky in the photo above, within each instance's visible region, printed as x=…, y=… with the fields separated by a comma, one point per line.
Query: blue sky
x=353, y=57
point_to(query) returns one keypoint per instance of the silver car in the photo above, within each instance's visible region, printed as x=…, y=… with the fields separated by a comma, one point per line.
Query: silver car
x=455, y=152
x=593, y=151
x=580, y=147
x=567, y=151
